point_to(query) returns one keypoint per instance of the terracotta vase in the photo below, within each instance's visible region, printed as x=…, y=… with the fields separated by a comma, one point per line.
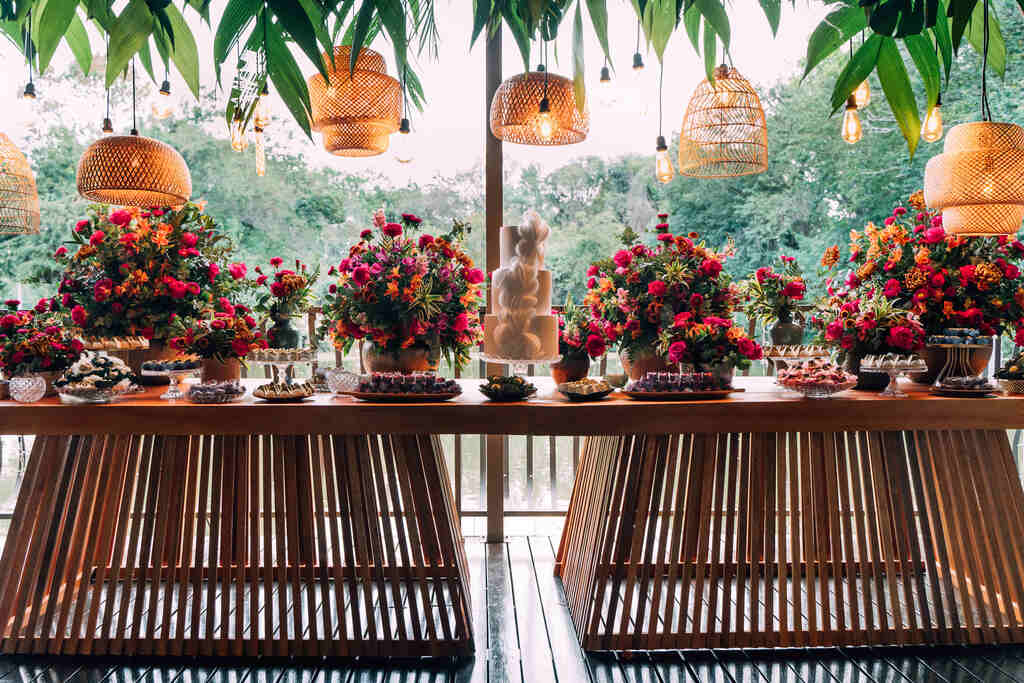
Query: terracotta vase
x=866, y=381
x=936, y=357
x=638, y=364
x=406, y=361
x=282, y=334
x=570, y=369
x=214, y=370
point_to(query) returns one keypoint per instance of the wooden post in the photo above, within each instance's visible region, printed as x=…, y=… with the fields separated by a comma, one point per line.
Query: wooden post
x=495, y=444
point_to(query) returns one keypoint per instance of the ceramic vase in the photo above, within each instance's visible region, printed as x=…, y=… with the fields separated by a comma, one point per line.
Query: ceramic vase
x=214, y=370
x=406, y=361
x=571, y=368
x=636, y=364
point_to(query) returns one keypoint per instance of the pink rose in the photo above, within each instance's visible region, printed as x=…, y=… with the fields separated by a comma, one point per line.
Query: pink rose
x=834, y=330
x=595, y=346
x=762, y=274
x=676, y=352
x=474, y=276
x=591, y=282
x=61, y=251
x=276, y=261
x=623, y=258
x=710, y=267
x=82, y=225
x=899, y=211
x=214, y=272
x=237, y=270
x=392, y=229
x=934, y=235
x=192, y=288
x=361, y=275
x=657, y=288
x=750, y=349
x=426, y=241
x=78, y=315
x=892, y=288
x=794, y=290
x=461, y=322
x=189, y=239
x=121, y=217
x=902, y=338
x=366, y=234
x=592, y=270
x=97, y=237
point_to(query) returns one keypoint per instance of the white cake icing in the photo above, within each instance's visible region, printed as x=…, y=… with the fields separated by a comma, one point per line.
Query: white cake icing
x=521, y=326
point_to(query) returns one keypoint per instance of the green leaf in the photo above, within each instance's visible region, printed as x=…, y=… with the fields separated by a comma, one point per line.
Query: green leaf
x=100, y=12
x=663, y=22
x=237, y=15
x=975, y=36
x=898, y=91
x=287, y=78
x=857, y=69
x=519, y=33
x=128, y=34
x=598, y=10
x=961, y=11
x=392, y=16
x=301, y=27
x=943, y=41
x=922, y=51
x=773, y=11
x=78, y=40
x=52, y=21
x=710, y=52
x=714, y=14
x=691, y=21
x=185, y=54
x=834, y=30
x=481, y=16
x=146, y=60
x=578, y=84
x=360, y=28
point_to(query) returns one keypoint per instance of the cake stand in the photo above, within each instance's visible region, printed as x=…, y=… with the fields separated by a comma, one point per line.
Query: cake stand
x=176, y=381
x=283, y=362
x=517, y=366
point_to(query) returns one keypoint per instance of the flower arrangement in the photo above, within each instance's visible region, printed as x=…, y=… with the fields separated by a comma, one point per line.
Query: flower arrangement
x=578, y=335
x=863, y=325
x=772, y=295
x=33, y=341
x=635, y=296
x=946, y=280
x=288, y=291
x=227, y=332
x=708, y=343
x=133, y=272
x=402, y=292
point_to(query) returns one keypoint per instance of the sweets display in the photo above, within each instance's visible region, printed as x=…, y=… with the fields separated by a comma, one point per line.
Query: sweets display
x=675, y=382
x=816, y=378
x=95, y=378
x=215, y=392
x=522, y=327
x=894, y=362
x=501, y=388
x=970, y=387
x=165, y=366
x=795, y=351
x=415, y=383
x=283, y=392
x=959, y=336
x=586, y=389
x=272, y=355
x=115, y=343
x=1011, y=375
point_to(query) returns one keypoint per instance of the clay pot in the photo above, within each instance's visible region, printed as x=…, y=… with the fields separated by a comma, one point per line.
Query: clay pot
x=406, y=361
x=214, y=370
x=282, y=334
x=866, y=381
x=570, y=369
x=638, y=364
x=936, y=356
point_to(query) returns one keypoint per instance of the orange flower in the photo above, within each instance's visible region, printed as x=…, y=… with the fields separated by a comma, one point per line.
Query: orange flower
x=916, y=200
x=923, y=256
x=392, y=290
x=947, y=309
x=865, y=271
x=831, y=257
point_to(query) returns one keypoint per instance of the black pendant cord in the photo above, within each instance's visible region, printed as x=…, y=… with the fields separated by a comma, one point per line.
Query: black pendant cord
x=661, y=80
x=544, y=50
x=135, y=129
x=108, y=89
x=986, y=113
x=405, y=91
x=28, y=47
x=638, y=35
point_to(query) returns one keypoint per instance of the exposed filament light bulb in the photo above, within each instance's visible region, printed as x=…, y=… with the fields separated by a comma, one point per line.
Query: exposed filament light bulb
x=163, y=103
x=931, y=129
x=862, y=95
x=545, y=123
x=852, y=131
x=261, y=153
x=261, y=111
x=402, y=145
x=239, y=141
x=663, y=169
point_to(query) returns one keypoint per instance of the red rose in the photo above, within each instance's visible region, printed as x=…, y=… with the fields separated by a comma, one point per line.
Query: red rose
x=657, y=288
x=77, y=346
x=425, y=240
x=461, y=322
x=121, y=217
x=78, y=315
x=217, y=324
x=189, y=239
x=623, y=258
x=934, y=235
x=42, y=306
x=901, y=337
x=794, y=290
x=676, y=352
x=277, y=289
x=474, y=276
x=682, y=318
x=592, y=270
x=117, y=307
x=710, y=268
x=97, y=237
x=82, y=225
x=591, y=282
x=214, y=272
x=834, y=330
x=225, y=305
x=595, y=346
x=276, y=261
x=361, y=275
x=237, y=270
x=192, y=288
x=177, y=289
x=366, y=234
x=762, y=274
x=239, y=347
x=749, y=348
x=695, y=301
x=892, y=288
x=392, y=229
x=61, y=251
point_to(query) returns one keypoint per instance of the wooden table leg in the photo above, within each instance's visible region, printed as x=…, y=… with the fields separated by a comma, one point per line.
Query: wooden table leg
x=307, y=545
x=753, y=540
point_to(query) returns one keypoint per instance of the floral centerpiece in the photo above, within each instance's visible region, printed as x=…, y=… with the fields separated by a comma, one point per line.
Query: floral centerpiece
x=411, y=299
x=773, y=296
x=636, y=295
x=710, y=344
x=33, y=342
x=222, y=337
x=579, y=339
x=862, y=325
x=289, y=292
x=946, y=280
x=134, y=272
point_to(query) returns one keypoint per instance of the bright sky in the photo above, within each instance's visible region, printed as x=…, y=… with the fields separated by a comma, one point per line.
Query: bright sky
x=449, y=134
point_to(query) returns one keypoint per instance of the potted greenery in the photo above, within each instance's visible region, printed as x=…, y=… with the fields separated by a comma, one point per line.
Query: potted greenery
x=579, y=340
x=772, y=298
x=711, y=344
x=288, y=293
x=223, y=336
x=34, y=343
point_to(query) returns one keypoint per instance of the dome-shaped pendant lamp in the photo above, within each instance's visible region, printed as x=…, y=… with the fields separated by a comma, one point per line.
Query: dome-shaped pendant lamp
x=538, y=108
x=132, y=170
x=19, y=200
x=724, y=131
x=355, y=112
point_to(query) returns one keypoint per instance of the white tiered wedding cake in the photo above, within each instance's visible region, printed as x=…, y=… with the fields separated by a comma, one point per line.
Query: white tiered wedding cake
x=522, y=327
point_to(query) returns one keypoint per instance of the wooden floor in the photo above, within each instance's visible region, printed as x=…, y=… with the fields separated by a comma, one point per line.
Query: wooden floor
x=523, y=634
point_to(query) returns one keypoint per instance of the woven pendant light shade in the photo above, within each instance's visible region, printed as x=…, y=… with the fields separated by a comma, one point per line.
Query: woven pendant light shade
x=978, y=180
x=516, y=106
x=131, y=170
x=724, y=132
x=19, y=200
x=355, y=112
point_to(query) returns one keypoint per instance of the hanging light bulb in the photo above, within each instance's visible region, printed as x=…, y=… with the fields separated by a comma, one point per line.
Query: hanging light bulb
x=261, y=152
x=29, y=93
x=163, y=103
x=606, y=76
x=239, y=141
x=931, y=129
x=852, y=131
x=638, y=60
x=108, y=126
x=261, y=110
x=402, y=143
x=545, y=123
x=862, y=95
x=663, y=169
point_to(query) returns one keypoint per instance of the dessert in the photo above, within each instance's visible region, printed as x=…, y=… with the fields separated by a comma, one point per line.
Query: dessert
x=95, y=378
x=816, y=378
x=215, y=392
x=1012, y=368
x=785, y=351
x=277, y=391
x=958, y=336
x=164, y=366
x=966, y=384
x=272, y=355
x=416, y=383
x=500, y=388
x=114, y=343
x=676, y=382
x=522, y=326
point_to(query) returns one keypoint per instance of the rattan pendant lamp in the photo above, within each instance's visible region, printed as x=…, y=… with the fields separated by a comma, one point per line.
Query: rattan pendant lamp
x=357, y=111
x=724, y=131
x=132, y=170
x=19, y=200
x=978, y=180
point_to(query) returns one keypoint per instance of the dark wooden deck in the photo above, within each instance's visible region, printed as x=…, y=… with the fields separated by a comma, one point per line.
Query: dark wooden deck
x=523, y=634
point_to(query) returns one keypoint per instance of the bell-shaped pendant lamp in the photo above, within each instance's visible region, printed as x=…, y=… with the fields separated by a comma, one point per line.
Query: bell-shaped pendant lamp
x=357, y=111
x=724, y=131
x=538, y=108
x=978, y=180
x=132, y=170
x=19, y=200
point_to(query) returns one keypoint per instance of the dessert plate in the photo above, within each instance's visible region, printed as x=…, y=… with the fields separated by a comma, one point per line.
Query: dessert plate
x=679, y=395
x=401, y=398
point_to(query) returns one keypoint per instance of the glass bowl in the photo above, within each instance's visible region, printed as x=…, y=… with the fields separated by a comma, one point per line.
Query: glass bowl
x=819, y=390
x=27, y=389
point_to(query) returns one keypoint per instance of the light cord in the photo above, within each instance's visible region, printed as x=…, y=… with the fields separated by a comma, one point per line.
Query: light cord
x=661, y=80
x=638, y=35
x=135, y=128
x=28, y=46
x=986, y=113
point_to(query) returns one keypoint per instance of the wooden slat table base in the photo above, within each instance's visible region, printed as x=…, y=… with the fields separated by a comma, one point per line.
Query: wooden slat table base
x=319, y=545
x=795, y=539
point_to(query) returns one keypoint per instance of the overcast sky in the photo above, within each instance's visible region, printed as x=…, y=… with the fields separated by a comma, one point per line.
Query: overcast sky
x=450, y=132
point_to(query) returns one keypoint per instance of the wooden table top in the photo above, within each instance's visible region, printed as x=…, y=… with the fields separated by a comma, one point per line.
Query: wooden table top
x=762, y=407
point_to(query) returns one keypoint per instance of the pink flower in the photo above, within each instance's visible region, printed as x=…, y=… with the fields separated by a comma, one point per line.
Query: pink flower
x=392, y=229
x=366, y=234
x=937, y=221
x=666, y=237
x=97, y=237
x=710, y=268
x=899, y=211
x=591, y=282
x=261, y=280
x=82, y=225
x=623, y=258
x=361, y=275
x=225, y=305
x=239, y=347
x=890, y=220
x=189, y=239
x=177, y=289
x=696, y=300
x=762, y=274
x=237, y=270
x=214, y=272
x=474, y=276
x=934, y=235
x=61, y=251
x=750, y=349
x=676, y=352
x=78, y=315
x=192, y=288
x=834, y=330
x=902, y=338
x=794, y=290
x=595, y=346
x=426, y=241
x=277, y=289
x=657, y=288
x=892, y=288
x=276, y=261
x=592, y=270
x=217, y=324
x=121, y=217
x=461, y=323
x=682, y=318
x=42, y=306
